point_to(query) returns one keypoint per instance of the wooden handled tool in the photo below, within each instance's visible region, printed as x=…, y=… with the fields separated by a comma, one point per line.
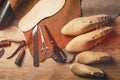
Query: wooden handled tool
x=4, y=44
x=2, y=51
x=57, y=53
x=22, y=44
x=7, y=12
x=20, y=57
x=35, y=46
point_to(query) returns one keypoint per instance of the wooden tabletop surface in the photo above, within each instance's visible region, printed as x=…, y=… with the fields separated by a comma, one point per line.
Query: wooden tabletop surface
x=51, y=70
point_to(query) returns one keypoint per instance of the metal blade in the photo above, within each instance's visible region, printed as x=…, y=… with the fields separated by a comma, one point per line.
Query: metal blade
x=41, y=35
x=35, y=46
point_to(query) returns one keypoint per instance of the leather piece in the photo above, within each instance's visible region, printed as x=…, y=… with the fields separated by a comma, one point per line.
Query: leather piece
x=70, y=11
x=34, y=16
x=93, y=7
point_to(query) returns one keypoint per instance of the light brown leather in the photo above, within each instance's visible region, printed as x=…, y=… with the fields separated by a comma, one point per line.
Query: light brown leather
x=70, y=11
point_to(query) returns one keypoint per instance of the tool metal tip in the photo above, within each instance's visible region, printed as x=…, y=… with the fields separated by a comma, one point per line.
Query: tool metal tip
x=35, y=29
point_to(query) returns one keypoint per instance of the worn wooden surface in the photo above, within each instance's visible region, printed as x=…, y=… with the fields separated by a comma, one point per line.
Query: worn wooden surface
x=50, y=70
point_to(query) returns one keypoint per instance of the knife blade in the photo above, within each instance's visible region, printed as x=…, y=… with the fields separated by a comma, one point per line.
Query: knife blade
x=35, y=46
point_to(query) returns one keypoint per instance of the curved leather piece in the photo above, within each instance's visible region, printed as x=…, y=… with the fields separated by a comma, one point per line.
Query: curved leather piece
x=70, y=11
x=42, y=9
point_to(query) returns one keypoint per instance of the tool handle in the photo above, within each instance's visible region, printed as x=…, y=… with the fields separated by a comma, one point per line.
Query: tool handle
x=55, y=54
x=63, y=55
x=4, y=44
x=58, y=55
x=20, y=58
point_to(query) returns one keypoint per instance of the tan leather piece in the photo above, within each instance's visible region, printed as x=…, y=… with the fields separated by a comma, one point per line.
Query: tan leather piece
x=70, y=11
x=41, y=10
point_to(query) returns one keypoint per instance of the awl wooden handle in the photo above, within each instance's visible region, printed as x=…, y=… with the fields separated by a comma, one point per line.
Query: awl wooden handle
x=20, y=58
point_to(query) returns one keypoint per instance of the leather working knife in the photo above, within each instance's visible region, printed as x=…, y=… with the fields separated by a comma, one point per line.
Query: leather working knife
x=6, y=14
x=35, y=46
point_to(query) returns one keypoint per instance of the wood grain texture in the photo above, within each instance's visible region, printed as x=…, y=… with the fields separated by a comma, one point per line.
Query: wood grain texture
x=50, y=70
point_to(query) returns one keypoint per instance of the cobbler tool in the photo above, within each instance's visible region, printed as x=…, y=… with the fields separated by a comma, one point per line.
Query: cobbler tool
x=20, y=57
x=20, y=49
x=44, y=49
x=7, y=12
x=2, y=51
x=22, y=44
x=4, y=43
x=57, y=53
x=35, y=46
x=70, y=56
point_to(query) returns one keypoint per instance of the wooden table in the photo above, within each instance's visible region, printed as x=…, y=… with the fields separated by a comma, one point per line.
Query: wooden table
x=50, y=70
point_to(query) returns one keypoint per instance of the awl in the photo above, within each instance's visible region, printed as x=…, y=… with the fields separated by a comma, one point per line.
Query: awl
x=7, y=12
